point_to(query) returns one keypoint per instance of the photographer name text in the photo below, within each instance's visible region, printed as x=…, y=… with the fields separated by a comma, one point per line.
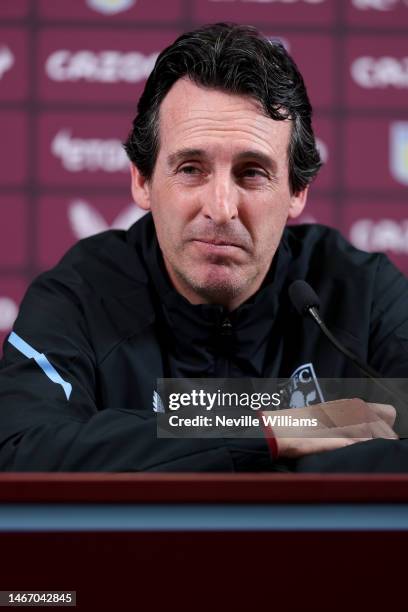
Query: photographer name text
x=245, y=421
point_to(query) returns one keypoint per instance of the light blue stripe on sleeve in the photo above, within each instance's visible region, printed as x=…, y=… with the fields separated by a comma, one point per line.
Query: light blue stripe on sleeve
x=41, y=361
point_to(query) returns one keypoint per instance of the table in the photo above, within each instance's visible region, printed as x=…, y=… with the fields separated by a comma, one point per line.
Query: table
x=199, y=541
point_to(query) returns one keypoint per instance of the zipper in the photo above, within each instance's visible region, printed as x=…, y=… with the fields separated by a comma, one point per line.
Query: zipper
x=226, y=327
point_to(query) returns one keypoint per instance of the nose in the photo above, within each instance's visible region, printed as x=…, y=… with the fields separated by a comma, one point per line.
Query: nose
x=221, y=200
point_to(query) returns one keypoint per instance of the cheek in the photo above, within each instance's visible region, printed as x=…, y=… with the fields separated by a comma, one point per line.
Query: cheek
x=259, y=221
x=267, y=229
x=176, y=213
x=169, y=224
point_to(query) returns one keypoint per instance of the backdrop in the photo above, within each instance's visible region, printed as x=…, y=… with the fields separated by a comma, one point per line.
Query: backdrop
x=71, y=72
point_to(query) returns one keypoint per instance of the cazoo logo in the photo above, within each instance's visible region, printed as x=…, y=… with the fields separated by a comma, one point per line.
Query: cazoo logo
x=382, y=235
x=380, y=72
x=99, y=67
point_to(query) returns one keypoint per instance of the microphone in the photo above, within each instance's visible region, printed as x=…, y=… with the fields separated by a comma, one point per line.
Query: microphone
x=303, y=296
x=306, y=302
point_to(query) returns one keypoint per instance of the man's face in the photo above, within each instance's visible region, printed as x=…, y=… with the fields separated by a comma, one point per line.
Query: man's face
x=219, y=194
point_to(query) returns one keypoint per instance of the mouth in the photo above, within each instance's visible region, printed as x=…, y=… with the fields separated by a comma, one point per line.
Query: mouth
x=218, y=243
x=217, y=251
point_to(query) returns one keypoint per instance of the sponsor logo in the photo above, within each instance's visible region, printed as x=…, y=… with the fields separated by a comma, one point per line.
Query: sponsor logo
x=8, y=313
x=6, y=60
x=378, y=5
x=91, y=154
x=307, y=219
x=85, y=220
x=110, y=7
x=302, y=389
x=399, y=151
x=323, y=150
x=370, y=72
x=101, y=67
x=383, y=235
x=274, y=1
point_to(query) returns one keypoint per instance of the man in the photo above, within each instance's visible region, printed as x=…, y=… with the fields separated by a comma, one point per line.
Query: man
x=222, y=153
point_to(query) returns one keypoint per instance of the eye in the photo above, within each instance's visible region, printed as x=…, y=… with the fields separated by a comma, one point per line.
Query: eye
x=189, y=170
x=254, y=173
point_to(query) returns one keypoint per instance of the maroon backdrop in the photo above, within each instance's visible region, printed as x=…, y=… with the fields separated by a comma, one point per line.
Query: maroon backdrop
x=70, y=75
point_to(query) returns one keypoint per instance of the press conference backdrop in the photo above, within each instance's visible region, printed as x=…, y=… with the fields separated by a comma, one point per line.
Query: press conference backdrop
x=71, y=72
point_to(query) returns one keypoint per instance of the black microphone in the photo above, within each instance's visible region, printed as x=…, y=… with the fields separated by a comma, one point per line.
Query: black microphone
x=306, y=302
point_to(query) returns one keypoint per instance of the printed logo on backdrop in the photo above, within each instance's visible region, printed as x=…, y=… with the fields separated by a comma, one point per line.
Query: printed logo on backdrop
x=306, y=219
x=399, y=151
x=8, y=313
x=89, y=154
x=85, y=220
x=379, y=5
x=274, y=1
x=110, y=7
x=383, y=235
x=6, y=60
x=387, y=71
x=99, y=67
x=323, y=150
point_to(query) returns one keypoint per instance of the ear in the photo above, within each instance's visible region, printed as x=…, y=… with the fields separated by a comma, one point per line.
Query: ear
x=297, y=203
x=140, y=188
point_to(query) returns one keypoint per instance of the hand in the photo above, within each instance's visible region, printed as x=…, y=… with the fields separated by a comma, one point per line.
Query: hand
x=339, y=424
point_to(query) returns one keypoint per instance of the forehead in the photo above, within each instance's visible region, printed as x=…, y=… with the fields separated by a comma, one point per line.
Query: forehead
x=197, y=117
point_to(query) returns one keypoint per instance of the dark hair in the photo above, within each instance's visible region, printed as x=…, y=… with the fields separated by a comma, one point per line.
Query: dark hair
x=235, y=59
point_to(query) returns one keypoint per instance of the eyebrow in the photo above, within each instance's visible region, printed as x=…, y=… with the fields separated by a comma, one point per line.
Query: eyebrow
x=248, y=155
x=183, y=154
x=257, y=156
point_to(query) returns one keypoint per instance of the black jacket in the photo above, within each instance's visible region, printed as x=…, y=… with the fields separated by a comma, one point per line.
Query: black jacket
x=93, y=335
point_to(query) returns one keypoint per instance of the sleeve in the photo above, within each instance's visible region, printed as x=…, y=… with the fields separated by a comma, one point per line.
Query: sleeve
x=372, y=456
x=49, y=414
x=388, y=354
x=388, y=343
x=388, y=340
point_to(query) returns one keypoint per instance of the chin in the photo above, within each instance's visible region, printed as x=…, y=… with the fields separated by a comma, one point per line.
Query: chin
x=217, y=290
x=215, y=284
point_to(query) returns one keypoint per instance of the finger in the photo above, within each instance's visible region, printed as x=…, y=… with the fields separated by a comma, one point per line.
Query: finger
x=386, y=412
x=380, y=429
x=367, y=430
